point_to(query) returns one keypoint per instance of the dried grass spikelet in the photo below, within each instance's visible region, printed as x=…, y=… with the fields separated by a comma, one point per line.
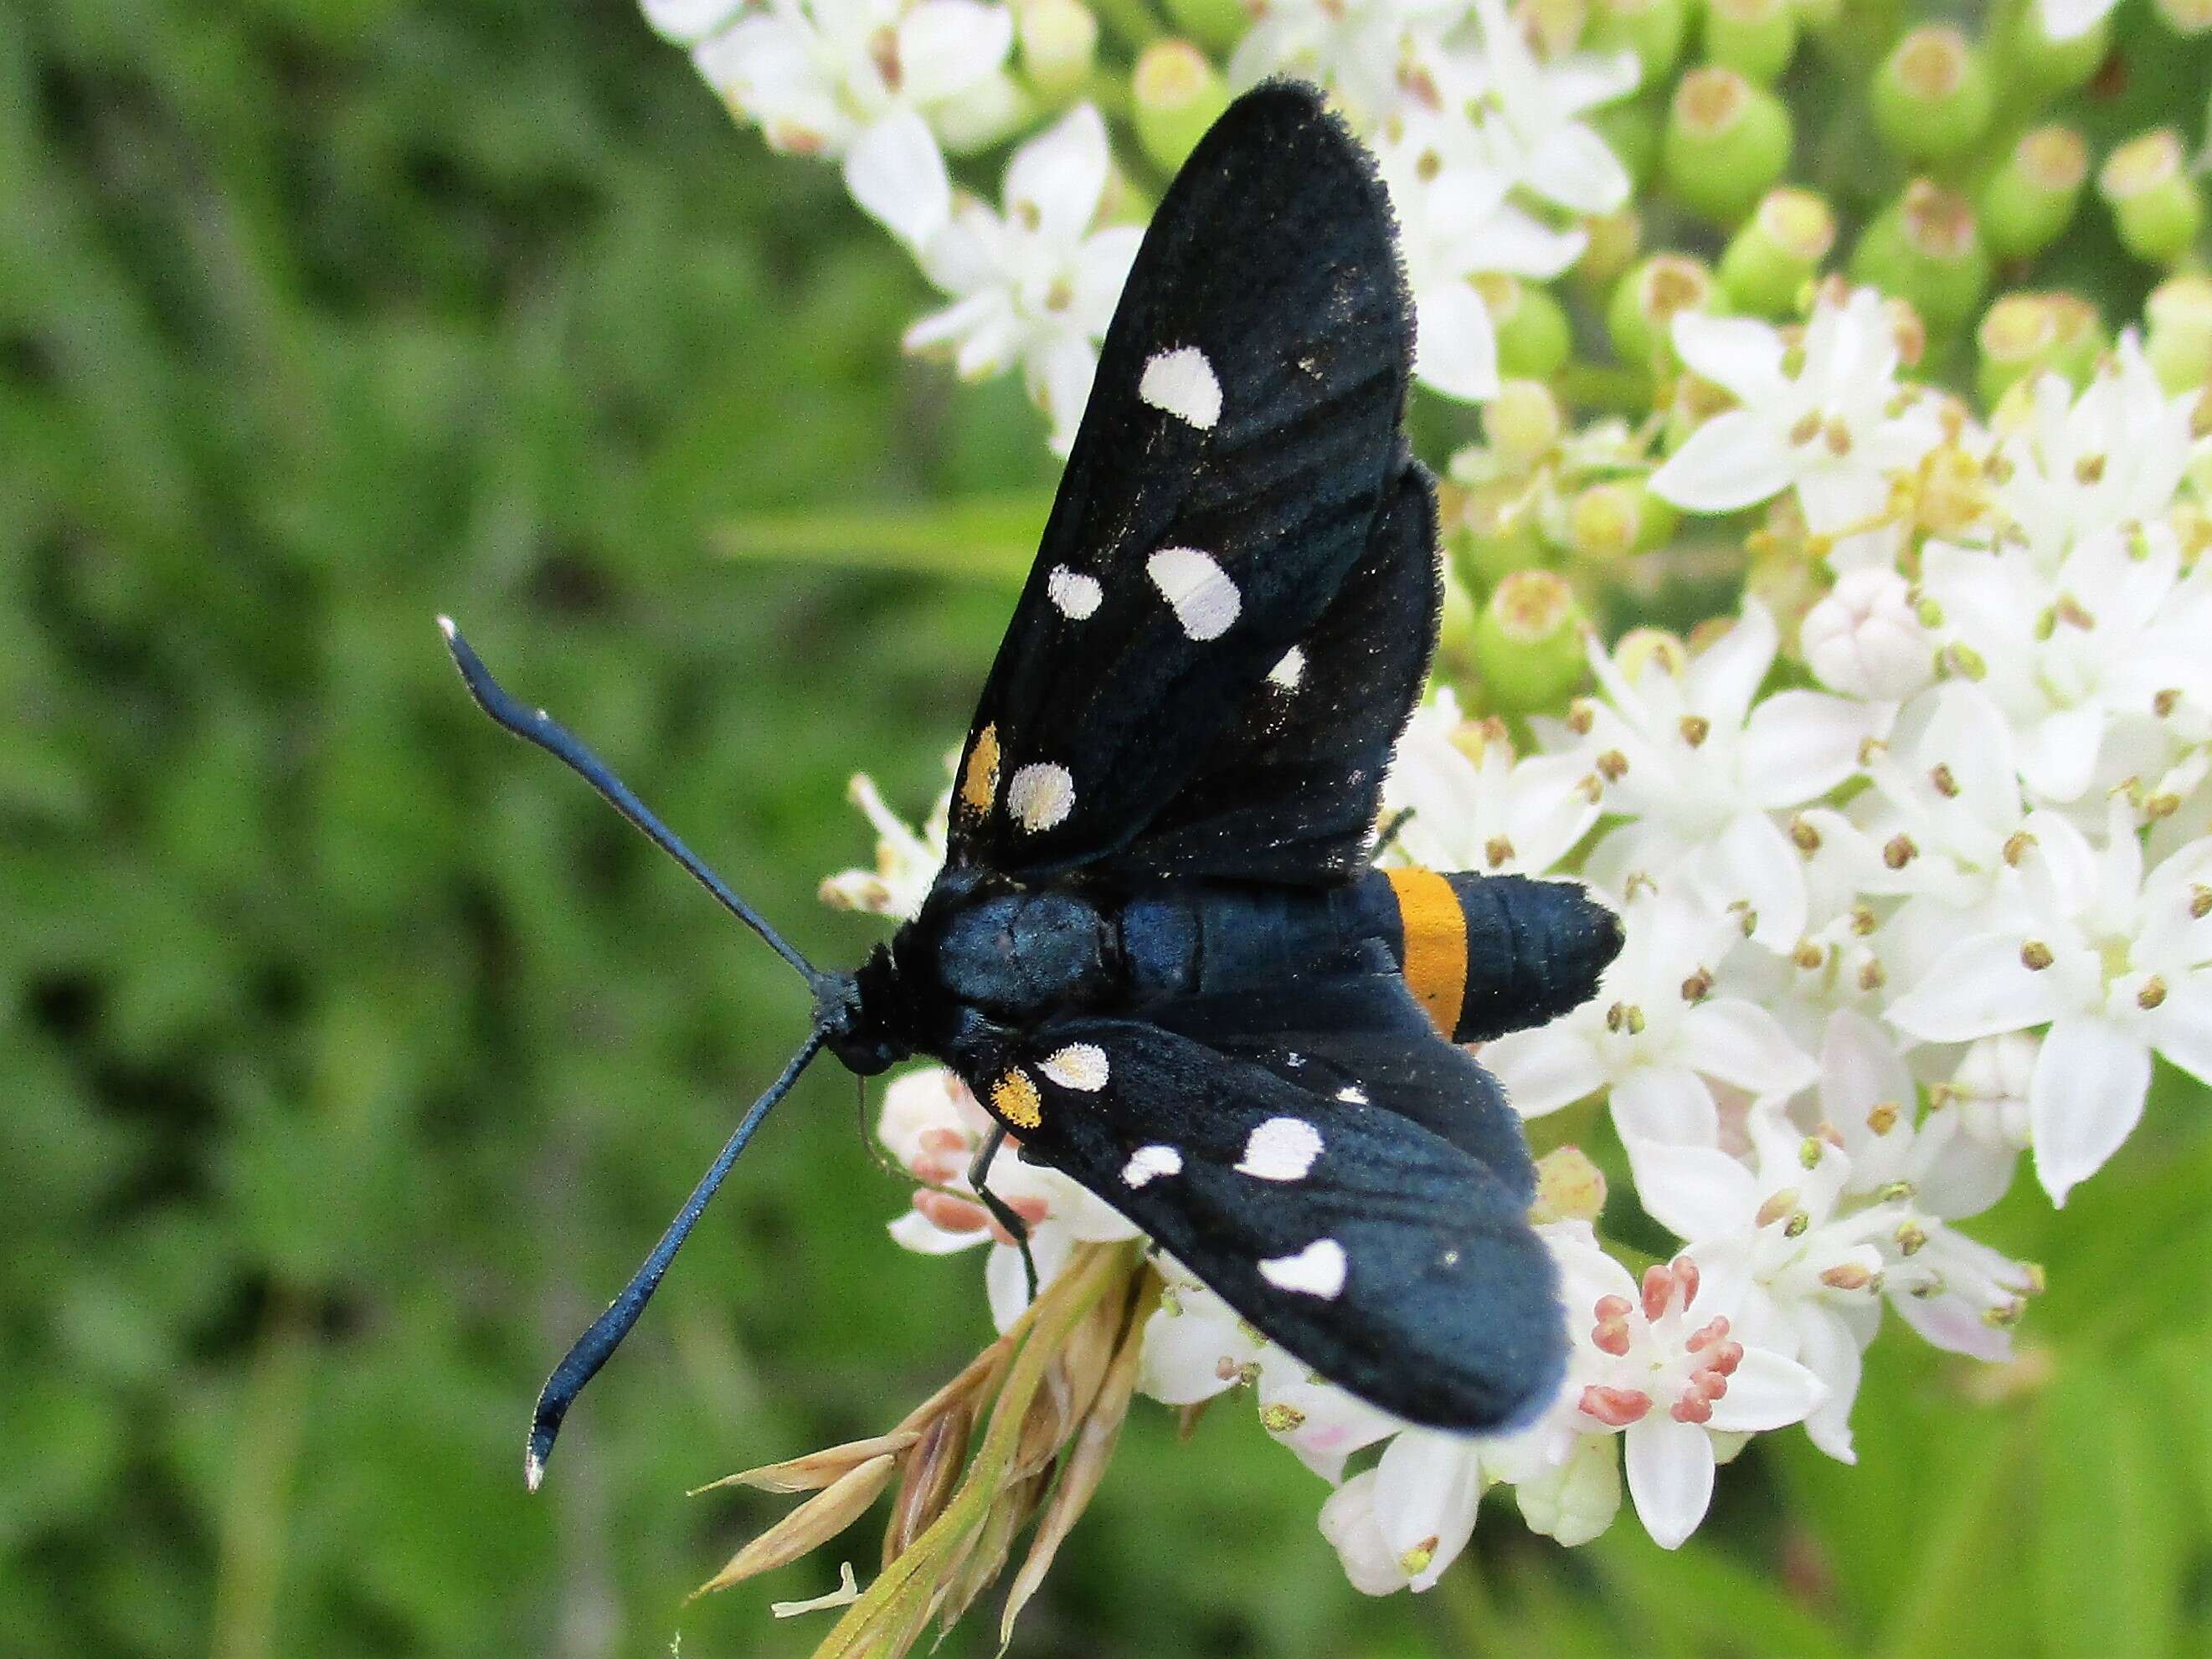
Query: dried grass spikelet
x=1050, y=1394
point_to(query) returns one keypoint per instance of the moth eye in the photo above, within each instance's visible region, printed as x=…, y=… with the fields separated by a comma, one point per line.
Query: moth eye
x=1040, y=796
x=1181, y=383
x=1317, y=1270
x=1205, y=601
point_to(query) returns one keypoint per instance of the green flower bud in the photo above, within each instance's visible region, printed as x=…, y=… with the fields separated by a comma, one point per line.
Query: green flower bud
x=1770, y=259
x=1640, y=316
x=1631, y=129
x=2032, y=66
x=1727, y=142
x=2082, y=339
x=1523, y=422
x=2186, y=17
x=1653, y=29
x=1529, y=641
x=1059, y=43
x=2017, y=338
x=1926, y=249
x=1219, y=24
x=1177, y=94
x=2156, y=204
x=1455, y=619
x=1932, y=96
x=1490, y=529
x=1615, y=240
x=2027, y=203
x=1754, y=38
x=1534, y=335
x=2179, y=346
x=1819, y=14
x=1612, y=519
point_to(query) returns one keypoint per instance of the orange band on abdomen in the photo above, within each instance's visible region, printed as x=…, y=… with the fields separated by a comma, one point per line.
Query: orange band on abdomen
x=1434, y=929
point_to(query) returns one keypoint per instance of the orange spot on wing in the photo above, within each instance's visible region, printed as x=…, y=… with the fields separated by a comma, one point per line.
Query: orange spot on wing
x=979, y=779
x=1436, y=942
x=1014, y=1097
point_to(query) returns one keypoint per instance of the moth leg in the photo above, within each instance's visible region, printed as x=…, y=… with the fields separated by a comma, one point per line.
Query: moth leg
x=1001, y=1212
x=1398, y=821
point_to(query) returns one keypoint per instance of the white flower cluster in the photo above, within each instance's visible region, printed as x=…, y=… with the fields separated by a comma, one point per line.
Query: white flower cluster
x=1482, y=145
x=1881, y=937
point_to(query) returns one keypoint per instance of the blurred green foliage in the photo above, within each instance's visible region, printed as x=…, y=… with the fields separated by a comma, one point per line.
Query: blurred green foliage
x=355, y=1054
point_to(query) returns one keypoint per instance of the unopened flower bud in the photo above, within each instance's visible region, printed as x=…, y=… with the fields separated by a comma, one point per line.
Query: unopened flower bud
x=1491, y=528
x=1611, y=519
x=1523, y=422
x=1770, y=260
x=1176, y=96
x=2016, y=339
x=1631, y=128
x=1534, y=335
x=1528, y=641
x=2032, y=65
x=1864, y=640
x=1615, y=240
x=1651, y=647
x=2179, y=347
x=2156, y=206
x=2027, y=203
x=1653, y=29
x=1640, y=316
x=2186, y=17
x=1727, y=140
x=1570, y=1187
x=1926, y=248
x=1754, y=38
x=1059, y=43
x=1219, y=24
x=1932, y=97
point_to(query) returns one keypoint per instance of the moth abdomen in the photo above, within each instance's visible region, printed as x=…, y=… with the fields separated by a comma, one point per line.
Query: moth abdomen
x=1486, y=955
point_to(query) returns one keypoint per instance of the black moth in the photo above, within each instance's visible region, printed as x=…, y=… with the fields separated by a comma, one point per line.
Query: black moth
x=1157, y=952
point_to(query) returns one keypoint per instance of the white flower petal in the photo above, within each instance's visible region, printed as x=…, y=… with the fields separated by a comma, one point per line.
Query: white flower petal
x=1737, y=353
x=2058, y=753
x=1455, y=344
x=1574, y=1500
x=1733, y=460
x=1725, y=676
x=2086, y=1098
x=1059, y=176
x=1544, y=1069
x=1347, y=1520
x=1827, y=1348
x=1754, y=864
x=1670, y=1476
x=1194, y=1350
x=1665, y=1103
x=1977, y=988
x=2181, y=1028
x=1798, y=744
x=1427, y=1487
x=1694, y=1192
x=896, y=174
x=1740, y=1043
x=1572, y=166
x=1765, y=1392
x=946, y=46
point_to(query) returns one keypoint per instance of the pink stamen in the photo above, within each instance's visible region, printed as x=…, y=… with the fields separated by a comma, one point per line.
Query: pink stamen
x=1713, y=1330
x=1708, y=1385
x=954, y=1215
x=1727, y=1358
x=1690, y=1409
x=1658, y=1291
x=1610, y=1333
x=1615, y=1408
x=1686, y=1275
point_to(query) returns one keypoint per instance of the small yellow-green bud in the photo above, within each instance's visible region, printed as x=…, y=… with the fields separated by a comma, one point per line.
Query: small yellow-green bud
x=2179, y=346
x=2029, y=201
x=1219, y=24
x=2032, y=66
x=2082, y=336
x=1176, y=94
x=1611, y=519
x=1059, y=43
x=1631, y=128
x=1926, y=249
x=2186, y=17
x=1570, y=1187
x=1523, y=422
x=1640, y=316
x=2017, y=338
x=1646, y=647
x=1490, y=530
x=1932, y=97
x=1653, y=29
x=2156, y=206
x=1769, y=262
x=1615, y=240
x=1754, y=38
x=1727, y=140
x=1534, y=335
x=1818, y=15
x=1455, y=618
x=1529, y=642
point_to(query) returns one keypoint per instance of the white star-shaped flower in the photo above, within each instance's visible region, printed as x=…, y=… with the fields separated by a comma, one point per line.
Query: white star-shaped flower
x=1475, y=806
x=1826, y=417
x=1035, y=285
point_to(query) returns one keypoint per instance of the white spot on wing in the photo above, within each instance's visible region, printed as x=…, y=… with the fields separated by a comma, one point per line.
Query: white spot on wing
x=1205, y=601
x=1317, y=1270
x=1290, y=671
x=1078, y=1066
x=1353, y=1094
x=1076, y=594
x=1147, y=1161
x=1182, y=383
x=1281, y=1149
x=1040, y=796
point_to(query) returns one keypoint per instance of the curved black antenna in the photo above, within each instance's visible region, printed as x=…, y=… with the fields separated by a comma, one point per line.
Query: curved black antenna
x=536, y=726
x=596, y=1345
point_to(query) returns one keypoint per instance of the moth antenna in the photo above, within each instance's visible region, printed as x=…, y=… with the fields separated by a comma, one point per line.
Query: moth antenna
x=536, y=726
x=596, y=1345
